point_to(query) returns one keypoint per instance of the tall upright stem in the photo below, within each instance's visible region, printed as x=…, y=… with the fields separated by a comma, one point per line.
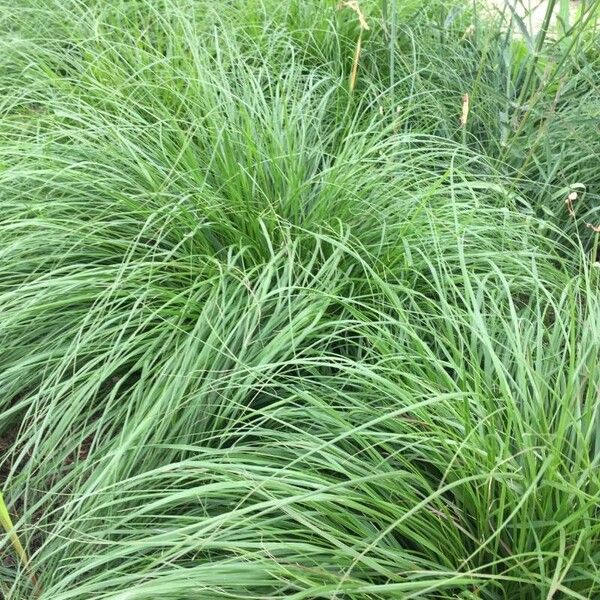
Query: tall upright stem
x=393, y=44
x=539, y=44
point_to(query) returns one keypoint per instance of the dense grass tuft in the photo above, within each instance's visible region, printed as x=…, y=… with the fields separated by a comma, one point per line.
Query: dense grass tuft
x=271, y=332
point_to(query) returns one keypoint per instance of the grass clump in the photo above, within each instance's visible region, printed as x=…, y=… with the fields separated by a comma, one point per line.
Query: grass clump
x=275, y=325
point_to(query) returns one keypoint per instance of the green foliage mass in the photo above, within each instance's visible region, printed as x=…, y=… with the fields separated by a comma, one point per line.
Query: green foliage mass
x=272, y=330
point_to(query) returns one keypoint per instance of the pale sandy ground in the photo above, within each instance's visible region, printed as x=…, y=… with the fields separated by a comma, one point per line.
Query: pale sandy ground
x=532, y=11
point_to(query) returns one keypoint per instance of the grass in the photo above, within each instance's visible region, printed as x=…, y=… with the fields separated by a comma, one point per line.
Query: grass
x=7, y=525
x=276, y=324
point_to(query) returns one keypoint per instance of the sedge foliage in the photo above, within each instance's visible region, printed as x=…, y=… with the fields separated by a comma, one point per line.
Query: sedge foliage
x=265, y=334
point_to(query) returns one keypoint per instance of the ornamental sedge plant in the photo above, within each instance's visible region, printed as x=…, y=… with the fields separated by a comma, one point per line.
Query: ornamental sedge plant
x=279, y=324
